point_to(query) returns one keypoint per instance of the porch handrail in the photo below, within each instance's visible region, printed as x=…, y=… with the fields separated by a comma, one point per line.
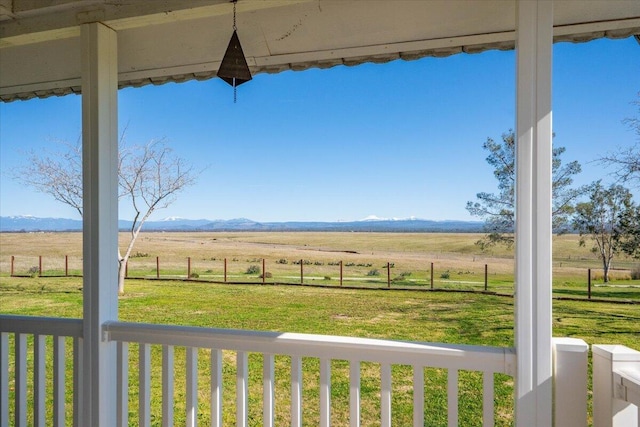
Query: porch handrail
x=326, y=348
x=459, y=356
x=628, y=385
x=39, y=327
x=616, y=386
x=34, y=325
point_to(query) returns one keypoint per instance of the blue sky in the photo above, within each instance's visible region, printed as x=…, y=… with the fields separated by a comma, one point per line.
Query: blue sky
x=400, y=139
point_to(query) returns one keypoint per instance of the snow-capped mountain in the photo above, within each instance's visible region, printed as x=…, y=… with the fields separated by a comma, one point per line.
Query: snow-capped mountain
x=372, y=223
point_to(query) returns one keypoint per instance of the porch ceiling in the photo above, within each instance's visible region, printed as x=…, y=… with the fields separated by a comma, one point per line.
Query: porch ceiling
x=177, y=40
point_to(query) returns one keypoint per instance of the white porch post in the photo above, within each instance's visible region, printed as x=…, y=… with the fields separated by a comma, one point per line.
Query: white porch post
x=100, y=225
x=534, y=40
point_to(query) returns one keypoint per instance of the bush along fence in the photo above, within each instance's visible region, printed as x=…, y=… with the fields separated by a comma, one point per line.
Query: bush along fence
x=255, y=270
x=26, y=267
x=281, y=271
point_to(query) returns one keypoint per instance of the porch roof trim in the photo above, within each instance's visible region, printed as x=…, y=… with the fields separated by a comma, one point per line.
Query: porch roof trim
x=166, y=41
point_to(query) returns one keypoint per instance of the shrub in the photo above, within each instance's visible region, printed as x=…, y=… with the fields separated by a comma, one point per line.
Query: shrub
x=139, y=255
x=253, y=269
x=445, y=275
x=613, y=275
x=327, y=277
x=318, y=263
x=34, y=271
x=635, y=273
x=194, y=275
x=373, y=272
x=282, y=261
x=267, y=275
x=405, y=274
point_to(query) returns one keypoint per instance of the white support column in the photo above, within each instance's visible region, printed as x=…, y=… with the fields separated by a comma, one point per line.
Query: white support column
x=534, y=42
x=100, y=220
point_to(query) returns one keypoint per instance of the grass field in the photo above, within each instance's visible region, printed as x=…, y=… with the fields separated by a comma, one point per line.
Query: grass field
x=457, y=261
x=450, y=317
x=407, y=315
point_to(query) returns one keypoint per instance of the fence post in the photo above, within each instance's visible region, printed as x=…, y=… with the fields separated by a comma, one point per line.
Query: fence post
x=486, y=277
x=13, y=258
x=225, y=270
x=301, y=272
x=340, y=272
x=189, y=267
x=431, y=275
x=126, y=269
x=589, y=283
x=264, y=272
x=40, y=265
x=388, y=274
x=66, y=265
x=157, y=267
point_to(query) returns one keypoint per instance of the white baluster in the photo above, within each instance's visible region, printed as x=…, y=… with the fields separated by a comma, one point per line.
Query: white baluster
x=144, y=385
x=242, y=389
x=216, y=388
x=325, y=392
x=268, y=383
x=192, y=386
x=167, y=385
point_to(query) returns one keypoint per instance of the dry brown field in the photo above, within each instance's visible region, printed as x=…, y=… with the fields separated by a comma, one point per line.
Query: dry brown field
x=410, y=254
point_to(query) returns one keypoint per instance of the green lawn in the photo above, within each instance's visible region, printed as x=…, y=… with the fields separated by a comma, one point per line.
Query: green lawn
x=448, y=317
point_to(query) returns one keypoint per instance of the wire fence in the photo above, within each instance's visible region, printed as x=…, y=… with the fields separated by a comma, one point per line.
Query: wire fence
x=260, y=270
x=236, y=270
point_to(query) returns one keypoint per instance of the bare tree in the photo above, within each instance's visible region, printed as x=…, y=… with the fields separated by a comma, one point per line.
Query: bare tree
x=149, y=176
x=58, y=174
x=626, y=162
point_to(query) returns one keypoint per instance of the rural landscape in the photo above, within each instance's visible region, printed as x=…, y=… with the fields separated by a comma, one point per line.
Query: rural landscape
x=427, y=213
x=407, y=281
x=456, y=310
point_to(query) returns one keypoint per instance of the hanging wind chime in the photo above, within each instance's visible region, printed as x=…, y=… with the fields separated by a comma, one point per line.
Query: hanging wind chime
x=233, y=68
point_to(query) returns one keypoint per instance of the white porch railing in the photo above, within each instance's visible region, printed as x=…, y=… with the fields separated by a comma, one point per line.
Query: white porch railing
x=35, y=330
x=616, y=386
x=487, y=360
x=31, y=345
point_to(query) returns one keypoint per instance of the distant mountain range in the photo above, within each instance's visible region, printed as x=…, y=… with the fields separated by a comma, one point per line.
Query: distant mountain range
x=369, y=224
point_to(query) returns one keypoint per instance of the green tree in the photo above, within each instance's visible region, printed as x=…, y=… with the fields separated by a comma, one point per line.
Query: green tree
x=498, y=210
x=629, y=235
x=604, y=219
